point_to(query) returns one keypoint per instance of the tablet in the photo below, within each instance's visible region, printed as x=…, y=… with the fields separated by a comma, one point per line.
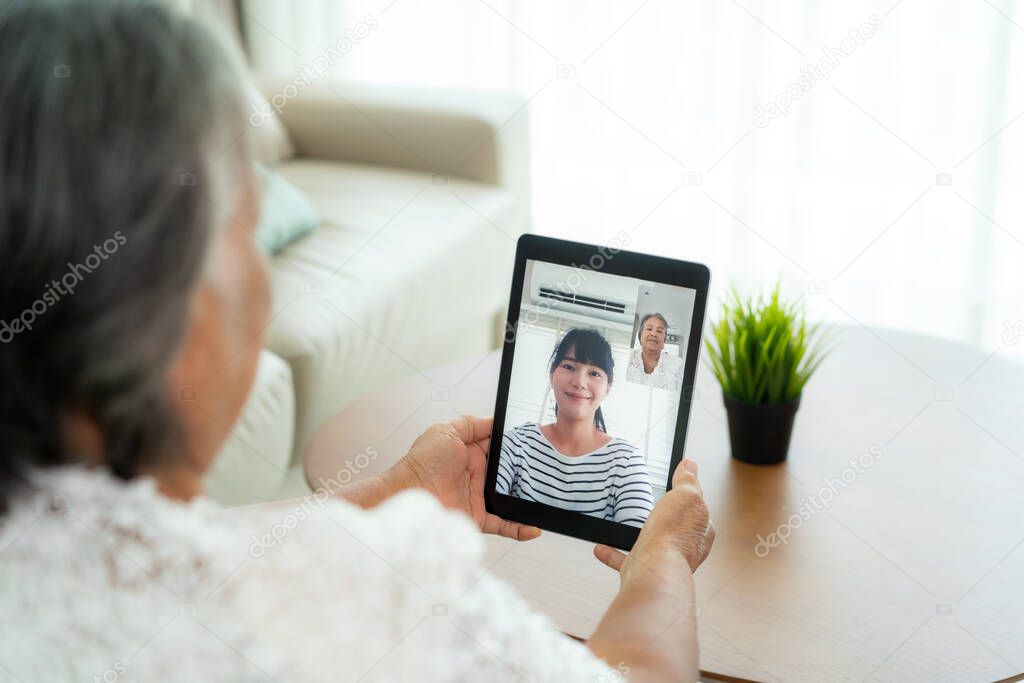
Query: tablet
x=597, y=373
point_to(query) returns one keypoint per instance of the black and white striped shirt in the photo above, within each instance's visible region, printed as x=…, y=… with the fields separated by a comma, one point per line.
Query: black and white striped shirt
x=611, y=482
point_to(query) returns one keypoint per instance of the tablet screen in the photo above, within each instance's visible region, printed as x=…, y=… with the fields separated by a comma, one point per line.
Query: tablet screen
x=593, y=399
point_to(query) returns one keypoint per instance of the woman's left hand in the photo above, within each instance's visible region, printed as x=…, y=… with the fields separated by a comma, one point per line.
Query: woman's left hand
x=450, y=461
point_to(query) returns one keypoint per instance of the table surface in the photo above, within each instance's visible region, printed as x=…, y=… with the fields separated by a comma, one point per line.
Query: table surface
x=914, y=571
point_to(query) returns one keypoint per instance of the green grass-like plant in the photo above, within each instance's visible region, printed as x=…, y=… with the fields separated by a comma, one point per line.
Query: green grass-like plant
x=762, y=350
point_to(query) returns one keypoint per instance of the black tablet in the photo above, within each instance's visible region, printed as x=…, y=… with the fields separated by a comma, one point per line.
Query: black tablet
x=597, y=374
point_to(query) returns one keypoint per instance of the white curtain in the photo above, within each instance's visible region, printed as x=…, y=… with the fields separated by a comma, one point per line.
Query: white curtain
x=887, y=192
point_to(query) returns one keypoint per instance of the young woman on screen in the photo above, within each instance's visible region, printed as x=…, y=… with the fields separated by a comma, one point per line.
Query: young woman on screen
x=572, y=463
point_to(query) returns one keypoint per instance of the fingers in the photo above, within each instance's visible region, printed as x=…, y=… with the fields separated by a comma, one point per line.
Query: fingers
x=686, y=473
x=478, y=464
x=471, y=429
x=502, y=527
x=484, y=445
x=610, y=556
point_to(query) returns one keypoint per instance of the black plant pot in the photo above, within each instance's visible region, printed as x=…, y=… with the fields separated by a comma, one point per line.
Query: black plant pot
x=759, y=433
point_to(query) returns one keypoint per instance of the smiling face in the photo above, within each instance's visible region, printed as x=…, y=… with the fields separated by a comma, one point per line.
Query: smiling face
x=652, y=334
x=579, y=388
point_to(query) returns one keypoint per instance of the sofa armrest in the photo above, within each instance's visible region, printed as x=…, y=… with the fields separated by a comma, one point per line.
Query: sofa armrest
x=255, y=459
x=477, y=136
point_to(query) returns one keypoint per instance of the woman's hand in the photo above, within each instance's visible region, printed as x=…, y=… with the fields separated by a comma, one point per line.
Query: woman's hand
x=450, y=461
x=678, y=524
x=651, y=626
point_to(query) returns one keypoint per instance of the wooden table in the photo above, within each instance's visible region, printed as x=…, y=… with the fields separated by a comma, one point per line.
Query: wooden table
x=914, y=571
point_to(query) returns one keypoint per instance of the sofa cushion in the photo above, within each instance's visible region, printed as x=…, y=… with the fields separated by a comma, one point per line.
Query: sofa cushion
x=253, y=464
x=406, y=271
x=285, y=213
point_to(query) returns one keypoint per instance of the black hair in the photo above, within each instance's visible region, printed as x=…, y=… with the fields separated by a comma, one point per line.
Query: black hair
x=643, y=321
x=115, y=132
x=589, y=347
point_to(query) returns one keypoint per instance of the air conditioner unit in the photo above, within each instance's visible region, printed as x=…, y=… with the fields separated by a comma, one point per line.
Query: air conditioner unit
x=592, y=304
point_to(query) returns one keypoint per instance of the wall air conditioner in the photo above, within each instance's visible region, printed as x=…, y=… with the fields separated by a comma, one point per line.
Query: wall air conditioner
x=591, y=304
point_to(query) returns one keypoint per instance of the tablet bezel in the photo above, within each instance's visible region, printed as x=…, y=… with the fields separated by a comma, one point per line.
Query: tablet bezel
x=645, y=267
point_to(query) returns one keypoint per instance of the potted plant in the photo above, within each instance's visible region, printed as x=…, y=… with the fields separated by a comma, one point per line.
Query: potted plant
x=762, y=352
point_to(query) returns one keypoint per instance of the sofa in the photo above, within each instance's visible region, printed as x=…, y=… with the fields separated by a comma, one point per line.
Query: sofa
x=421, y=195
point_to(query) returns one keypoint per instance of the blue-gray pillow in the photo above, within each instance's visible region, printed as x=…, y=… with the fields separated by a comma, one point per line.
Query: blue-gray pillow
x=286, y=214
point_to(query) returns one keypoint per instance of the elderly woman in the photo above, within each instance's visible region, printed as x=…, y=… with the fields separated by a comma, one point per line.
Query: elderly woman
x=650, y=363
x=119, y=284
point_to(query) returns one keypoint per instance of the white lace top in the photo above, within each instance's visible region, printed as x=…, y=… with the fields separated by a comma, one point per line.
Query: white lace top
x=667, y=374
x=102, y=580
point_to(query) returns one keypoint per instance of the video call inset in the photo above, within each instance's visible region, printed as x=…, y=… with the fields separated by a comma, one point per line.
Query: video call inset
x=594, y=394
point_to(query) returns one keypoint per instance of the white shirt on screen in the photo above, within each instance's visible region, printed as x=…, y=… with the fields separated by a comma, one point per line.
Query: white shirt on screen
x=667, y=374
x=610, y=482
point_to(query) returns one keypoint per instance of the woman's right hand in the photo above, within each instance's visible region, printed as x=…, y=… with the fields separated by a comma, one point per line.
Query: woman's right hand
x=678, y=525
x=651, y=626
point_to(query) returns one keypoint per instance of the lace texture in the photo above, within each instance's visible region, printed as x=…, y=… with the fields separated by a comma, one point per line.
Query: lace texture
x=106, y=580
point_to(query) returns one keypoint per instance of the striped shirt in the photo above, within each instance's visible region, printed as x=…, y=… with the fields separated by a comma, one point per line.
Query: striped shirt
x=611, y=482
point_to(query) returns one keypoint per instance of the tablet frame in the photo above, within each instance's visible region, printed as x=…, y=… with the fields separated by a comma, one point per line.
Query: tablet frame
x=612, y=261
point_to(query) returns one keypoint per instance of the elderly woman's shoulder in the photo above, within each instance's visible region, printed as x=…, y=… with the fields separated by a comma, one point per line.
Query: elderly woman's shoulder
x=267, y=578
x=408, y=539
x=71, y=515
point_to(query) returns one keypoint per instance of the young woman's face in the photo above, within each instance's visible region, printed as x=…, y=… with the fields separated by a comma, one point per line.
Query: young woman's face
x=578, y=387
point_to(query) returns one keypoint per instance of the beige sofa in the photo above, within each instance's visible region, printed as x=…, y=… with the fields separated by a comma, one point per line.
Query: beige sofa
x=421, y=196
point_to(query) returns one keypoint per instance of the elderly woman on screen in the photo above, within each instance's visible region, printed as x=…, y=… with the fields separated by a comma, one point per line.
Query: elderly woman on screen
x=112, y=562
x=649, y=362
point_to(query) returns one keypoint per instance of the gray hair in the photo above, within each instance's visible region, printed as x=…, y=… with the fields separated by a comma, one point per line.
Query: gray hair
x=116, y=135
x=644, y=320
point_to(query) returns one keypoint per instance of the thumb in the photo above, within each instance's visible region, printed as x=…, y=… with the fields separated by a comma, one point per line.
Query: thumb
x=471, y=429
x=610, y=556
x=684, y=470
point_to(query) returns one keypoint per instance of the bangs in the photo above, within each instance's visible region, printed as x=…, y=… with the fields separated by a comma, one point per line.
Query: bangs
x=586, y=346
